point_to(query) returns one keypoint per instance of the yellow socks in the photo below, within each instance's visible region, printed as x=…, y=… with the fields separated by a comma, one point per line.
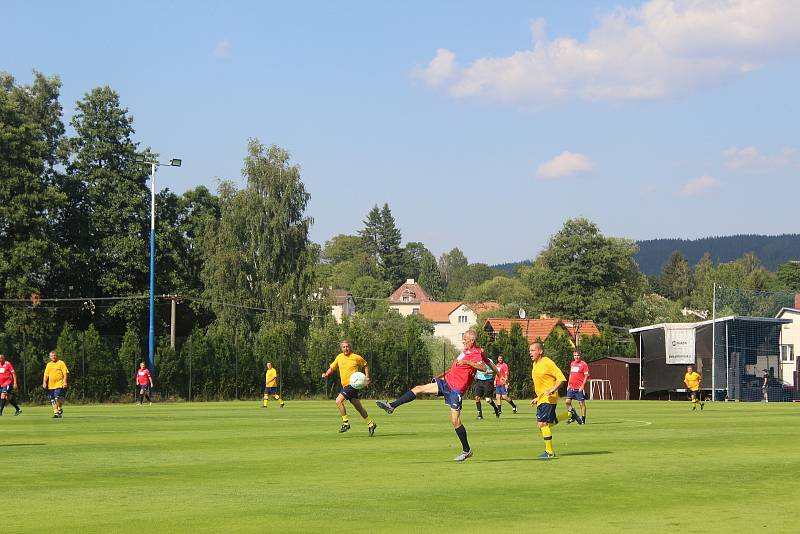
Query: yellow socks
x=266, y=400
x=547, y=434
x=345, y=420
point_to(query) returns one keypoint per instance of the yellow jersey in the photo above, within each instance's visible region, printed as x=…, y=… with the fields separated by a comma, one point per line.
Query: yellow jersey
x=272, y=378
x=347, y=365
x=546, y=375
x=55, y=374
x=692, y=380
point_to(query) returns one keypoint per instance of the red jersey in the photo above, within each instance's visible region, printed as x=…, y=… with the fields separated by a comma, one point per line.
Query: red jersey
x=143, y=377
x=460, y=377
x=578, y=373
x=6, y=374
x=502, y=375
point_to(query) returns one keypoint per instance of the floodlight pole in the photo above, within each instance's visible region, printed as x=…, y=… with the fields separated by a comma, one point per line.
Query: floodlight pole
x=152, y=330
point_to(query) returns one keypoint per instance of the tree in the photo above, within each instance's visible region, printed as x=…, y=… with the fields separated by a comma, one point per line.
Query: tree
x=342, y=247
x=502, y=290
x=381, y=239
x=676, y=277
x=582, y=273
x=450, y=262
x=430, y=277
x=258, y=254
x=30, y=131
x=469, y=276
x=104, y=157
x=369, y=293
x=788, y=276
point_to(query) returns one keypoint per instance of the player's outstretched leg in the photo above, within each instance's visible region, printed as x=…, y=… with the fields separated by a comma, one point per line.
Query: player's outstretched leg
x=461, y=432
x=480, y=409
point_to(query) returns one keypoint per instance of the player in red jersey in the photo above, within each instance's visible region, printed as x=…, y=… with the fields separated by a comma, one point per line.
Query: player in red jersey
x=501, y=386
x=8, y=383
x=144, y=381
x=452, y=386
x=578, y=375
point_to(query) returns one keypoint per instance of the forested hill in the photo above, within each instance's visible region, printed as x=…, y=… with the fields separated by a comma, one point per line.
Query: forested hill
x=772, y=250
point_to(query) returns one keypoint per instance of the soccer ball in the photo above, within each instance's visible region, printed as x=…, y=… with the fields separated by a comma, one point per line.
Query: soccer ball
x=358, y=380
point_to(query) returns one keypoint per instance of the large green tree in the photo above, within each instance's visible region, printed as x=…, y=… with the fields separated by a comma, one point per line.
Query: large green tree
x=104, y=158
x=258, y=254
x=676, y=277
x=381, y=239
x=583, y=273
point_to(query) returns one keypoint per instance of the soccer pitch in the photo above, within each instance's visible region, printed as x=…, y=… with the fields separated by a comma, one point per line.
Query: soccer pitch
x=236, y=467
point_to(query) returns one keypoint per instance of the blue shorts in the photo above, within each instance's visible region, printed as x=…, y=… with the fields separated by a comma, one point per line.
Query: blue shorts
x=270, y=390
x=546, y=413
x=143, y=387
x=349, y=393
x=57, y=393
x=452, y=397
x=576, y=394
x=501, y=390
x=695, y=392
x=6, y=389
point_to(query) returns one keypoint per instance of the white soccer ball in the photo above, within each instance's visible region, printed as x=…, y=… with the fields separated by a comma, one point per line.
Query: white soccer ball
x=358, y=380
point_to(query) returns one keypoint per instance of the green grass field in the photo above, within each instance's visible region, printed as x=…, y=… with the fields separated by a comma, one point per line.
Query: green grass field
x=235, y=467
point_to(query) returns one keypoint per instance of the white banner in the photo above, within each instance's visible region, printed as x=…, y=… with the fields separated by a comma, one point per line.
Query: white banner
x=679, y=341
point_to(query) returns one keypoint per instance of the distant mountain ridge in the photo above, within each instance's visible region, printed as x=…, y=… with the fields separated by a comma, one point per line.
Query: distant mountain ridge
x=772, y=250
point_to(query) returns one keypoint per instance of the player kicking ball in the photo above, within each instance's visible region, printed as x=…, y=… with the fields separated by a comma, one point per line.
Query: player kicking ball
x=452, y=386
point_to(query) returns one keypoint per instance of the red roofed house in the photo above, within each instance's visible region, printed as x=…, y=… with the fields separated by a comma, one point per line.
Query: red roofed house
x=407, y=298
x=581, y=328
x=542, y=327
x=452, y=319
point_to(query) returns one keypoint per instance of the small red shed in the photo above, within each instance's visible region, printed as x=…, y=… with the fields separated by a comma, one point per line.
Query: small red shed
x=622, y=375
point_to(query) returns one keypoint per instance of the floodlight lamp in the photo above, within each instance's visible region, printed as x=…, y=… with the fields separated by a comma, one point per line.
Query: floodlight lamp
x=175, y=162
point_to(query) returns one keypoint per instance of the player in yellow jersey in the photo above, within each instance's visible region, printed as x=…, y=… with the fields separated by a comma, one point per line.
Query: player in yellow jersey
x=271, y=386
x=347, y=363
x=55, y=382
x=547, y=378
x=693, y=381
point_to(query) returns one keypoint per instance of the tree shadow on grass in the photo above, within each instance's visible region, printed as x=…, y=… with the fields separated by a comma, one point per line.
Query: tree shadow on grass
x=585, y=453
x=23, y=444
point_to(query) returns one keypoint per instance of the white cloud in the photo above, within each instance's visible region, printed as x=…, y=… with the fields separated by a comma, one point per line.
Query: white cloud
x=565, y=164
x=698, y=186
x=749, y=159
x=222, y=49
x=662, y=48
x=440, y=69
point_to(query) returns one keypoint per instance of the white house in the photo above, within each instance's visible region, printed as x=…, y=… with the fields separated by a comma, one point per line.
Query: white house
x=343, y=304
x=407, y=298
x=790, y=342
x=452, y=319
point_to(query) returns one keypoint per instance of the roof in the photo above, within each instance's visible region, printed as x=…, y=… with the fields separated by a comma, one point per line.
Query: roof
x=535, y=328
x=586, y=327
x=617, y=358
x=787, y=309
x=340, y=296
x=480, y=307
x=438, y=312
x=411, y=289
x=717, y=320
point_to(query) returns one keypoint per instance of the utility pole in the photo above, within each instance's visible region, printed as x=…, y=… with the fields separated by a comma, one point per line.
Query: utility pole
x=173, y=298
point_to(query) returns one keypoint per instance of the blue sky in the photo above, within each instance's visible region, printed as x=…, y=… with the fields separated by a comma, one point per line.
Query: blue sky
x=483, y=125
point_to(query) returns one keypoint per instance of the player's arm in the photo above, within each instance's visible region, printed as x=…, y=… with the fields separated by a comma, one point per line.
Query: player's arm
x=66, y=375
x=585, y=379
x=366, y=373
x=150, y=378
x=480, y=366
x=14, y=376
x=332, y=368
x=555, y=388
x=44, y=380
x=491, y=364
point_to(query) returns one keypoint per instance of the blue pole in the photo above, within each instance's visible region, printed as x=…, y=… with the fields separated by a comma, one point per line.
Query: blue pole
x=152, y=336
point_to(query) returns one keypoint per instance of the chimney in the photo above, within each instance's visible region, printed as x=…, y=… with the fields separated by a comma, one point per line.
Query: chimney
x=544, y=316
x=797, y=300
x=410, y=281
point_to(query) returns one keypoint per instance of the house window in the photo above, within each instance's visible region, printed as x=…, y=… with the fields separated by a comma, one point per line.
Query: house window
x=462, y=319
x=415, y=311
x=406, y=298
x=787, y=353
